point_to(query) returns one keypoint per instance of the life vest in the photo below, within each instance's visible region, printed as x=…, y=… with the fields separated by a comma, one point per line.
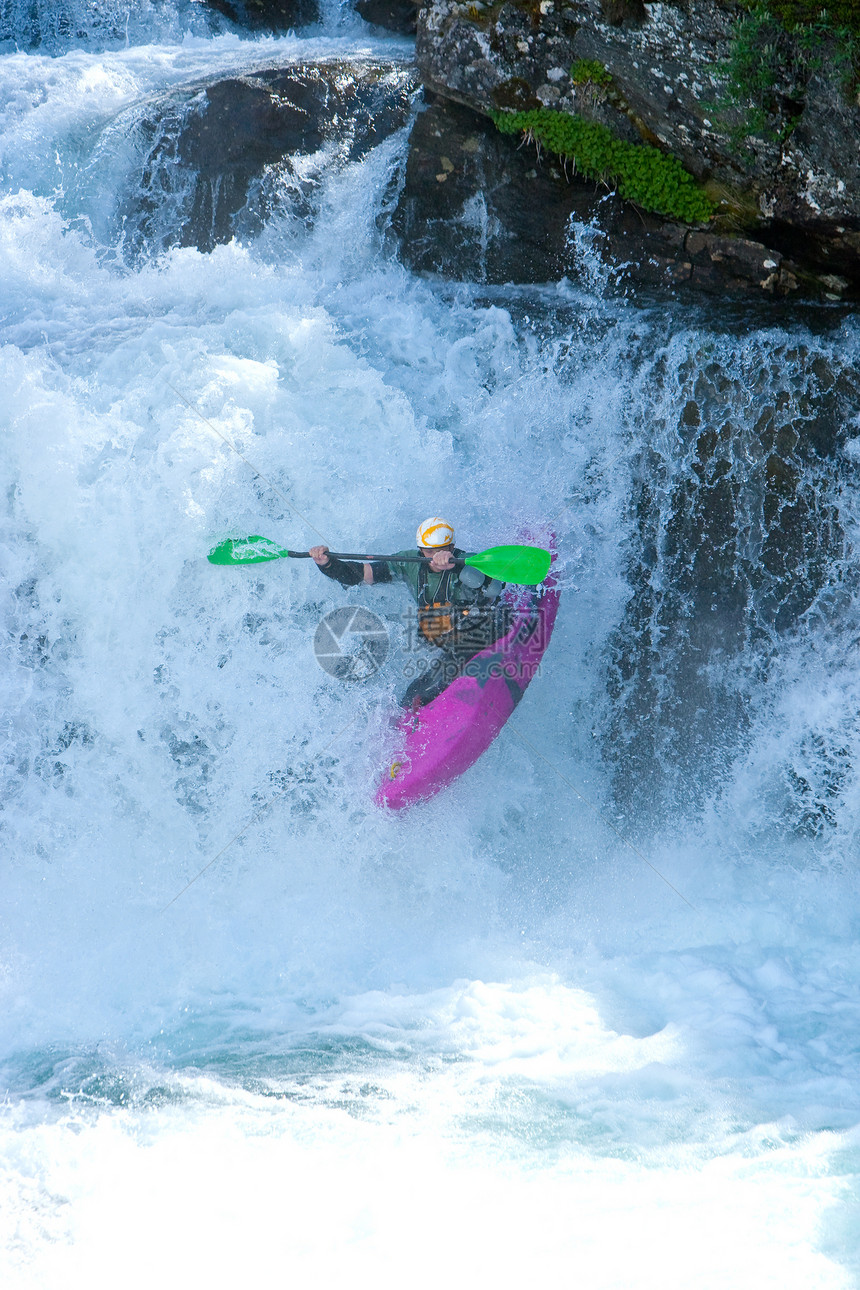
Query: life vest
x=436, y=617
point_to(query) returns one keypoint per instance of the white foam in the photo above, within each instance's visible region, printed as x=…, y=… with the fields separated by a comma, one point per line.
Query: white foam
x=563, y=1064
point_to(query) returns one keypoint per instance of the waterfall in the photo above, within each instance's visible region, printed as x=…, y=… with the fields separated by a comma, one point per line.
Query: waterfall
x=244, y=1011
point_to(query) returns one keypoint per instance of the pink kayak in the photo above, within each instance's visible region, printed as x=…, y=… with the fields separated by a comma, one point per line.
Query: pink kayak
x=448, y=736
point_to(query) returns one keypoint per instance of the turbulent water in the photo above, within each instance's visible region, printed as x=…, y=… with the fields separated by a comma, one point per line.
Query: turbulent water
x=591, y=1015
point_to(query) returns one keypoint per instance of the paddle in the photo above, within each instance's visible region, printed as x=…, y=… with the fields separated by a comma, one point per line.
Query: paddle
x=524, y=565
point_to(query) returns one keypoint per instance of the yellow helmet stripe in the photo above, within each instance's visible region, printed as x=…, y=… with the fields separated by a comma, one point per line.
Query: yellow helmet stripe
x=435, y=532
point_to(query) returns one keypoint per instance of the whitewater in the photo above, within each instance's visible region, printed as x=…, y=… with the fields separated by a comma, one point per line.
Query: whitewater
x=590, y=1015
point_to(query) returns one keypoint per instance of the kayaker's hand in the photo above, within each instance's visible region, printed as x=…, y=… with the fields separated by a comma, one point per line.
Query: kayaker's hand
x=441, y=560
x=319, y=555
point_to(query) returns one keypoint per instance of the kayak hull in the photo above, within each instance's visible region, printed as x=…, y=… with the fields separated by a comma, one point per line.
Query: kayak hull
x=443, y=739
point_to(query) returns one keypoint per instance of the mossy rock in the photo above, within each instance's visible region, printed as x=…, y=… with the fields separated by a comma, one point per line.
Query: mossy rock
x=777, y=47
x=804, y=13
x=588, y=71
x=616, y=12
x=515, y=95
x=639, y=173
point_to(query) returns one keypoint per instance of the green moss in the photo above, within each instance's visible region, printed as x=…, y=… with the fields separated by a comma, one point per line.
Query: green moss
x=588, y=71
x=515, y=95
x=637, y=171
x=803, y=13
x=776, y=48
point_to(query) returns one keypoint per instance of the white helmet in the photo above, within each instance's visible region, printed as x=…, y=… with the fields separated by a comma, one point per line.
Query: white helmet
x=434, y=532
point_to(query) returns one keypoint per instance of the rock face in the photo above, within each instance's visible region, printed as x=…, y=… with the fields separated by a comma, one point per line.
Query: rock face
x=270, y=15
x=475, y=206
x=469, y=201
x=789, y=213
x=400, y=16
x=223, y=158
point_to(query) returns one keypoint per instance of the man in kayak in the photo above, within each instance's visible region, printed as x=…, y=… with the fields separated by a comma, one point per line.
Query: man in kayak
x=458, y=611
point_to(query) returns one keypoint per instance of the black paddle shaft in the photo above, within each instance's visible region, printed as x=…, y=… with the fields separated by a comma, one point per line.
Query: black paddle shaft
x=369, y=559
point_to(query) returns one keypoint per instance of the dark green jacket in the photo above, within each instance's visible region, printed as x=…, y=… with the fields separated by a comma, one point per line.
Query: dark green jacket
x=429, y=588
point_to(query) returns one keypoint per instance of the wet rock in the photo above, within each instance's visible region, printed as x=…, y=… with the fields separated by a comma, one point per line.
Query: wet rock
x=400, y=16
x=750, y=261
x=818, y=183
x=224, y=158
x=737, y=536
x=468, y=203
x=476, y=205
x=270, y=15
x=466, y=208
x=663, y=69
x=790, y=194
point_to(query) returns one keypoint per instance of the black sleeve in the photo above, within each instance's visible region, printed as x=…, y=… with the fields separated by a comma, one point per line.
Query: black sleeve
x=381, y=572
x=346, y=573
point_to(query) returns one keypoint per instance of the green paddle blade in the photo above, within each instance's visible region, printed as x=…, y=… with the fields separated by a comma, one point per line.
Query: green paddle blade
x=246, y=550
x=525, y=565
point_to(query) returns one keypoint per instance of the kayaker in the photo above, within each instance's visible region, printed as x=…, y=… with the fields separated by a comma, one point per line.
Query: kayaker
x=458, y=609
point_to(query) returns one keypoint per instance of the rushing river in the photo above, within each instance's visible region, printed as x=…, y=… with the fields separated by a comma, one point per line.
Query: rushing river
x=591, y=1016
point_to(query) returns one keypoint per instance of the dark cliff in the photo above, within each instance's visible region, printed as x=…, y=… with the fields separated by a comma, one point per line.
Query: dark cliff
x=708, y=142
x=760, y=109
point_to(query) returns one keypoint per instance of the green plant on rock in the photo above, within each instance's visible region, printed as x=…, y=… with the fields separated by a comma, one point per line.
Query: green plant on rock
x=799, y=13
x=776, y=48
x=588, y=71
x=637, y=171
